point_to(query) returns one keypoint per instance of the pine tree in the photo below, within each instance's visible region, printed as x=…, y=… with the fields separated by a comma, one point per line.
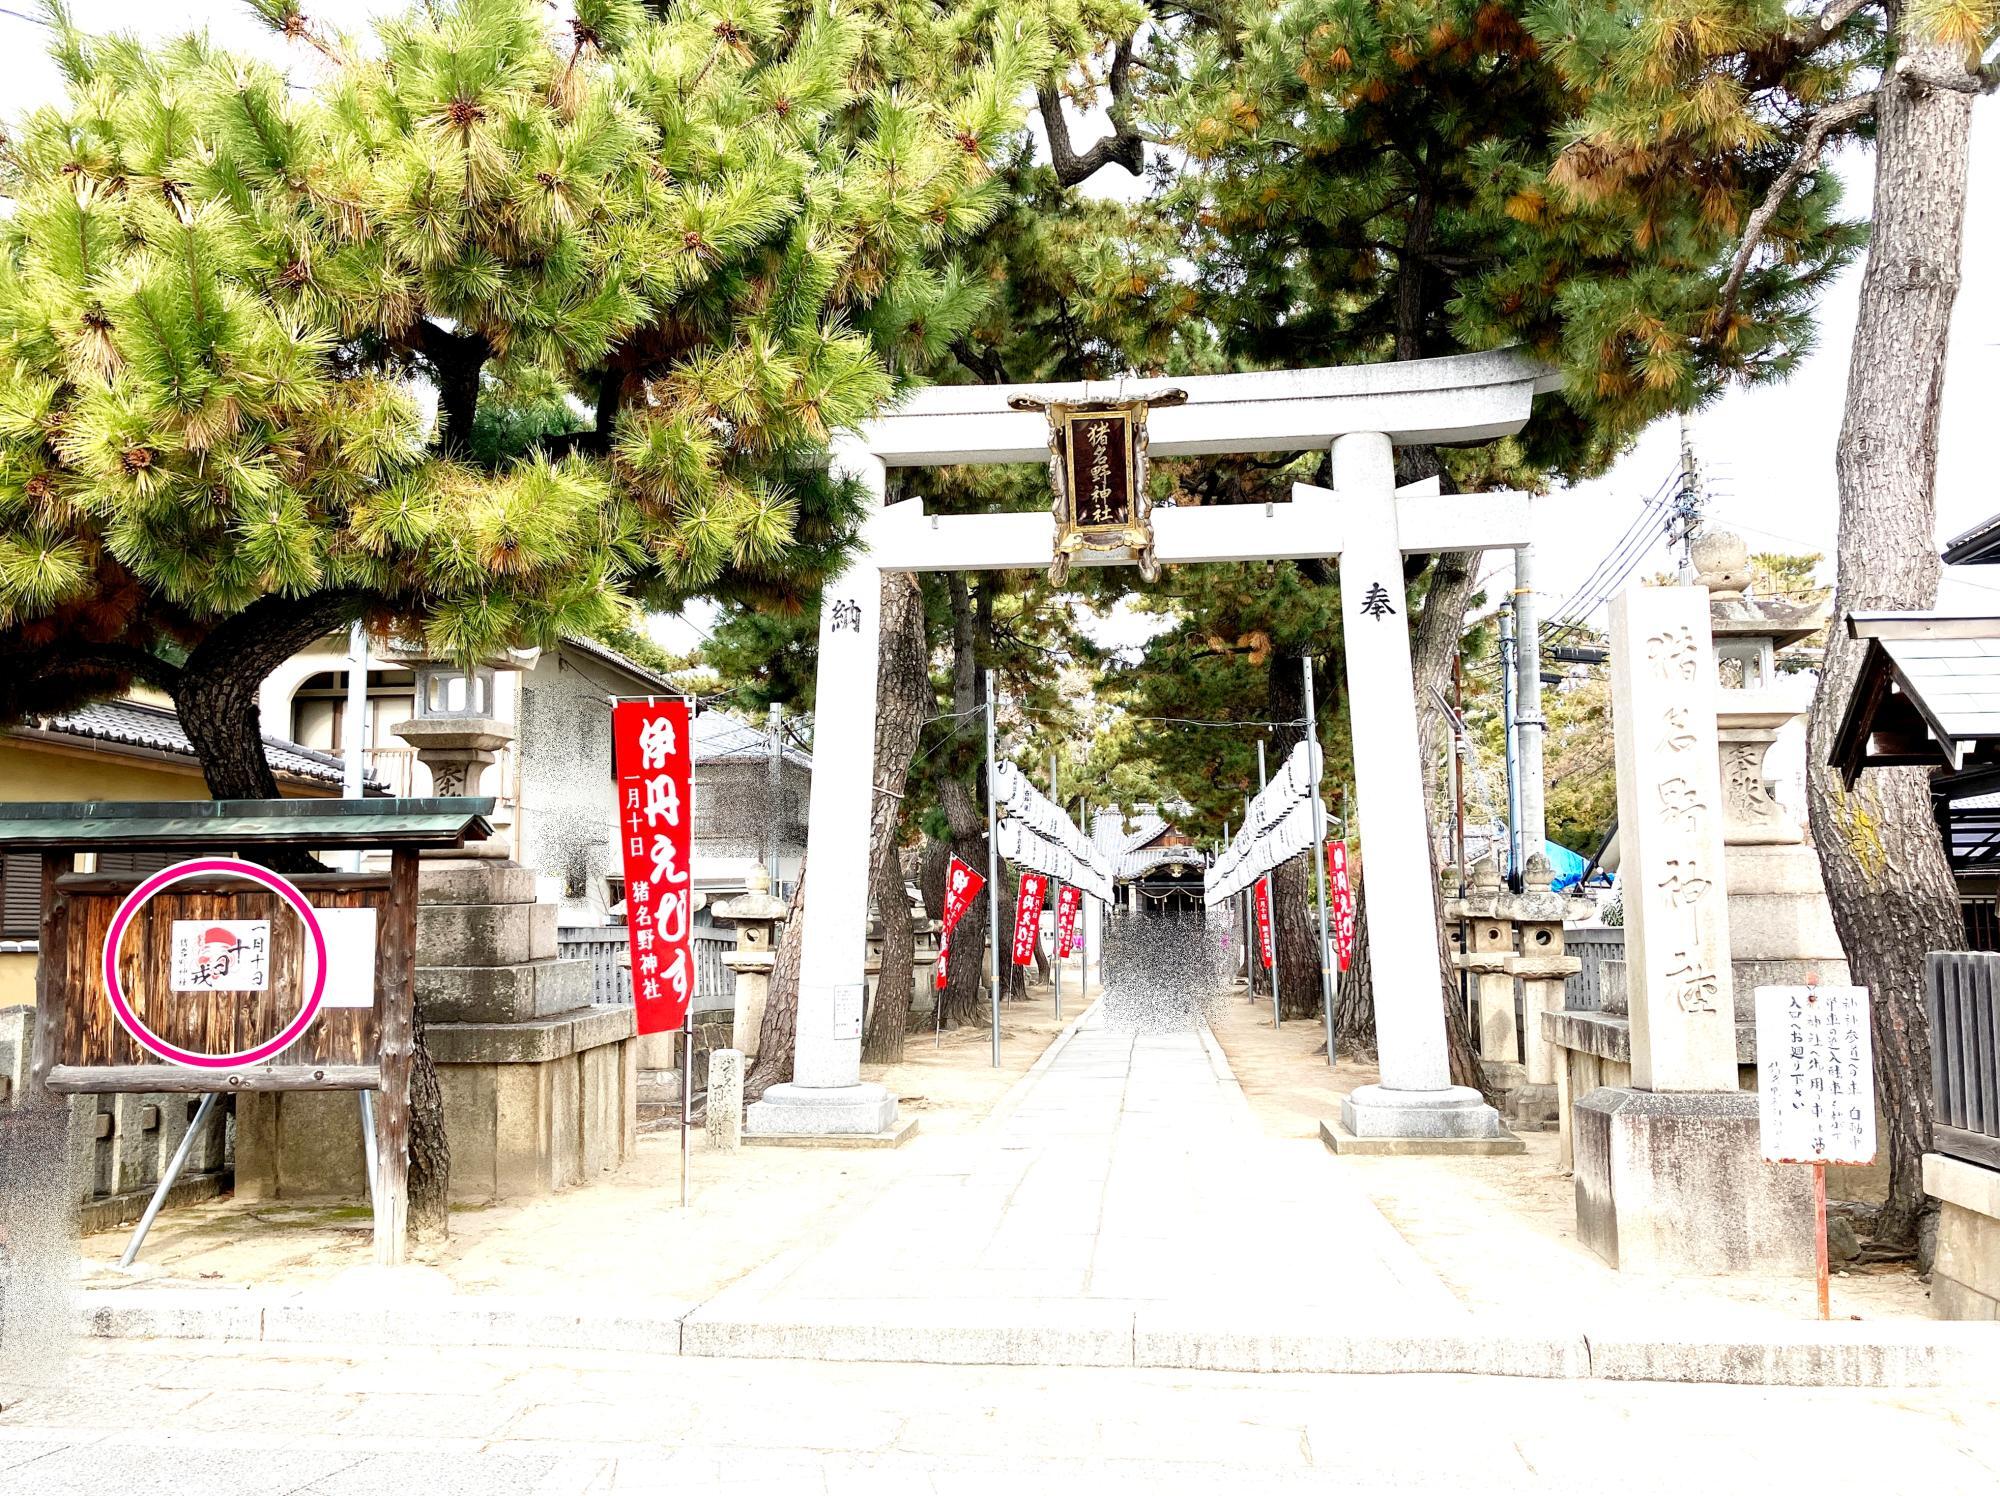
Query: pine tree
x=719, y=227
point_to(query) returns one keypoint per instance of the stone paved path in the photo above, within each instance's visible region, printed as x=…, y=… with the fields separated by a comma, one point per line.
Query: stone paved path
x=1126, y=1173
x=179, y=1417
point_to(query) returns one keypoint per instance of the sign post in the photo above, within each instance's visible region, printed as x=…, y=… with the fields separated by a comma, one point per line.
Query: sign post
x=654, y=759
x=1815, y=1089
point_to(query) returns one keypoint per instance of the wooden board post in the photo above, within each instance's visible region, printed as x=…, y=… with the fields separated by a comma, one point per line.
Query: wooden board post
x=392, y=1118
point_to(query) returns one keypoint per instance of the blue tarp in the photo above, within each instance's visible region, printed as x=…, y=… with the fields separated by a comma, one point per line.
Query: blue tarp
x=1567, y=865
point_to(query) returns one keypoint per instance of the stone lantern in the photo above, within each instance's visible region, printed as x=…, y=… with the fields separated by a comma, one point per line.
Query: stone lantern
x=757, y=916
x=454, y=731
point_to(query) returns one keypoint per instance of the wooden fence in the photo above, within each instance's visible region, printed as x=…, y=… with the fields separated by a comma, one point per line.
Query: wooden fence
x=1960, y=991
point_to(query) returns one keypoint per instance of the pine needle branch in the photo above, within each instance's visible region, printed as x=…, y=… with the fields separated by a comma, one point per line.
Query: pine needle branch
x=1833, y=117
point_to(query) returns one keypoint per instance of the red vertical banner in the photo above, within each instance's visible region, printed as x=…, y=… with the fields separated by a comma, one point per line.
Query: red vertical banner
x=655, y=766
x=1028, y=916
x=1264, y=919
x=1343, y=902
x=961, y=887
x=1066, y=907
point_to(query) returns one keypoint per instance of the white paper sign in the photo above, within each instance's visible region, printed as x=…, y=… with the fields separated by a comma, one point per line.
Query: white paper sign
x=848, y=1003
x=350, y=957
x=221, y=955
x=1815, y=1075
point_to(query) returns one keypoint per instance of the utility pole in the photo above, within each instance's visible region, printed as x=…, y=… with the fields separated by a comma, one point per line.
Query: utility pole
x=992, y=878
x=1510, y=864
x=1319, y=861
x=1528, y=709
x=354, y=728
x=1686, y=523
x=1271, y=898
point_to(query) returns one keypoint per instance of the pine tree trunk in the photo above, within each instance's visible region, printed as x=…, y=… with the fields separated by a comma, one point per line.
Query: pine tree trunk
x=1354, y=1003
x=216, y=692
x=967, y=975
x=1893, y=896
x=902, y=697
x=889, y=1020
x=777, y=1036
x=430, y=1150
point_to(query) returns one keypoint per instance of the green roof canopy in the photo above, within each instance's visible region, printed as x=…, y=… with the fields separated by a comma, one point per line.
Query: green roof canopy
x=28, y=825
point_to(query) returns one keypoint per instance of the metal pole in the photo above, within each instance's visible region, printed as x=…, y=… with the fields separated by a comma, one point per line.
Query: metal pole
x=354, y=734
x=1249, y=899
x=1083, y=916
x=1055, y=902
x=1459, y=749
x=1528, y=706
x=777, y=723
x=1319, y=865
x=992, y=877
x=368, y=1137
x=1511, y=862
x=1262, y=785
x=687, y=1094
x=167, y=1179
x=1225, y=848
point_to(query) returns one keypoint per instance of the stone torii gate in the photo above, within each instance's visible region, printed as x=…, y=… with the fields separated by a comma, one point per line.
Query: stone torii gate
x=1361, y=414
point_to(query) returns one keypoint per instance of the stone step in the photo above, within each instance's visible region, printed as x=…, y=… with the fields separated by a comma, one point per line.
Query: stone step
x=485, y=934
x=476, y=883
x=503, y=994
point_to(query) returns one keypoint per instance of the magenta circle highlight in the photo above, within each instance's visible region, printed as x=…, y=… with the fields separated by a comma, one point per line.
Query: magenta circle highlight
x=151, y=1042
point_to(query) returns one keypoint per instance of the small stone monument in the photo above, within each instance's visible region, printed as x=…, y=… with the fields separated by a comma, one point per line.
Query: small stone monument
x=1669, y=1175
x=725, y=1100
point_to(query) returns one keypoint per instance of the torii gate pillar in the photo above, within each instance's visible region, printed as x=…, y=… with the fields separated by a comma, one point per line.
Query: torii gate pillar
x=1416, y=1099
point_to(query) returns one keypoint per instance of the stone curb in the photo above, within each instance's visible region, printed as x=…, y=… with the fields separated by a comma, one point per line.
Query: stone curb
x=972, y=1332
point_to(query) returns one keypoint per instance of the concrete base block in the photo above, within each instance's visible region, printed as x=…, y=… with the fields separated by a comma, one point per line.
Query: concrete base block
x=894, y=1135
x=1965, y=1278
x=1339, y=1139
x=1451, y=1112
x=485, y=934
x=476, y=882
x=791, y=1108
x=1674, y=1183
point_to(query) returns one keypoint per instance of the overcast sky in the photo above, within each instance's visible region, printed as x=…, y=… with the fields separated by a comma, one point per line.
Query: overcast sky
x=1767, y=454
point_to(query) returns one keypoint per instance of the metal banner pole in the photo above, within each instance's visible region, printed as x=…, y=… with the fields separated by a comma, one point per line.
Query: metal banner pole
x=173, y=1173
x=1083, y=917
x=1262, y=785
x=992, y=876
x=1319, y=865
x=1055, y=900
x=687, y=1093
x=1247, y=900
x=1225, y=848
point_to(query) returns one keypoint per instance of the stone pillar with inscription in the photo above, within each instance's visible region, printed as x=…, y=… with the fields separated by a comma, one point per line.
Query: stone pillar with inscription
x=1669, y=1176
x=1781, y=930
x=826, y=1095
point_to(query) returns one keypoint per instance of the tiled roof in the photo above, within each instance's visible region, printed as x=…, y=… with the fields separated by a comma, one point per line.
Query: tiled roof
x=721, y=738
x=138, y=725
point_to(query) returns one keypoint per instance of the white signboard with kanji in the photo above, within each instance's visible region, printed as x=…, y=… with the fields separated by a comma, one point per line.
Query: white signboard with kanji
x=1815, y=1075
x=221, y=955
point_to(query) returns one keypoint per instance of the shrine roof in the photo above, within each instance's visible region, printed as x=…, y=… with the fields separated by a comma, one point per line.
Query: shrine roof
x=156, y=730
x=1979, y=546
x=1927, y=694
x=217, y=824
